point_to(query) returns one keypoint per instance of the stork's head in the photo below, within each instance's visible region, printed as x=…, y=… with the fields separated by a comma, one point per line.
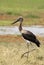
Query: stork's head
x=20, y=19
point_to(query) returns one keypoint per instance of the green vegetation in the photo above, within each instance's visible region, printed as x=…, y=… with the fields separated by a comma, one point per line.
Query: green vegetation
x=5, y=22
x=31, y=10
x=20, y=6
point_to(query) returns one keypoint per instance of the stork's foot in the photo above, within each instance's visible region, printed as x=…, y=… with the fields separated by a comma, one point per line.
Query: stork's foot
x=24, y=54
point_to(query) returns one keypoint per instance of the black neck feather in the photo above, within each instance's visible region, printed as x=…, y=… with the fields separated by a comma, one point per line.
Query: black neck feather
x=20, y=27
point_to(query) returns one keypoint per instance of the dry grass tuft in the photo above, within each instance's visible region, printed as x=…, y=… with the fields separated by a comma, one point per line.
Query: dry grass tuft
x=12, y=47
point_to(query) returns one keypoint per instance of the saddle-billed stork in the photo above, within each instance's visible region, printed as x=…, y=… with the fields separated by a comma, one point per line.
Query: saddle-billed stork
x=27, y=35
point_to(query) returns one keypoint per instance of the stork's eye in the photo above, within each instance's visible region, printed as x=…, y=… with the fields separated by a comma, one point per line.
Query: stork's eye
x=21, y=19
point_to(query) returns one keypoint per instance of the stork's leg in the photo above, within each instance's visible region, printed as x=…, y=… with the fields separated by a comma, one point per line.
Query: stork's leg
x=28, y=50
x=27, y=53
x=33, y=47
x=28, y=46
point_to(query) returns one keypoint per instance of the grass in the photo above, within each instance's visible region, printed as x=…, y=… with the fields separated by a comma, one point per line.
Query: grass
x=5, y=23
x=31, y=10
x=19, y=6
x=11, y=51
x=27, y=21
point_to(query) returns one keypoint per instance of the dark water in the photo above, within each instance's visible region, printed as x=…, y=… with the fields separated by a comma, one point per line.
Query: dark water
x=37, y=30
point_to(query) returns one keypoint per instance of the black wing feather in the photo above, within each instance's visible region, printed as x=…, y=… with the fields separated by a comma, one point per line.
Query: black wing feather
x=31, y=37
